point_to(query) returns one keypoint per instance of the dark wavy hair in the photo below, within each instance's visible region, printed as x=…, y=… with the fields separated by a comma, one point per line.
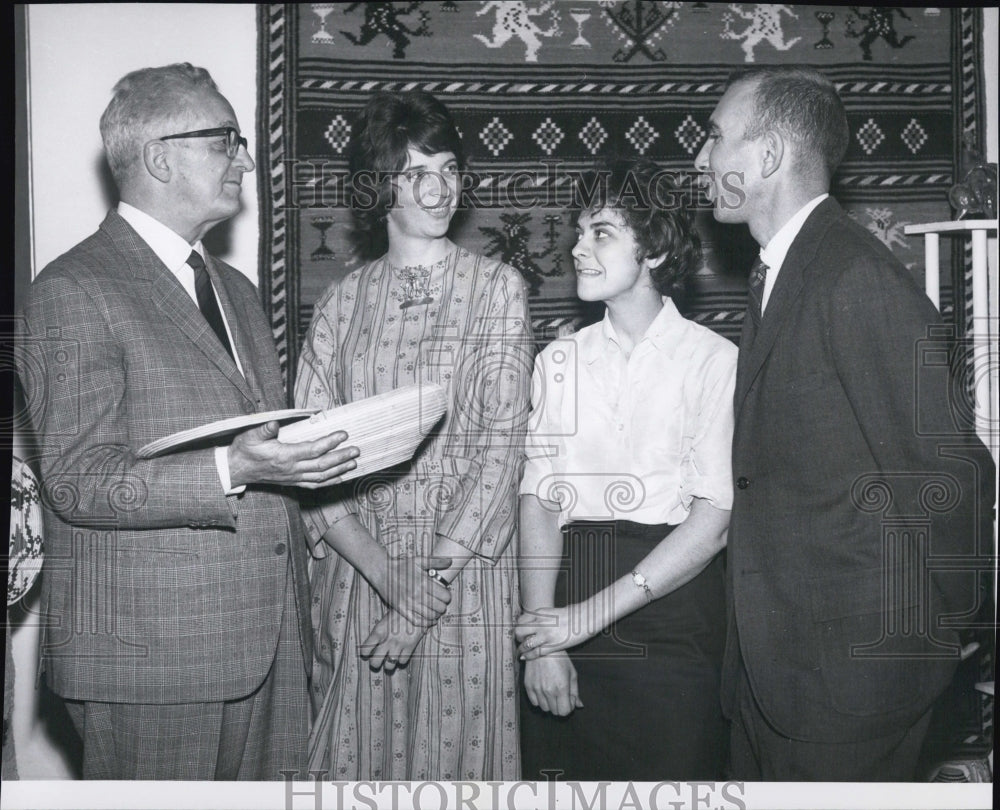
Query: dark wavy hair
x=653, y=207
x=389, y=124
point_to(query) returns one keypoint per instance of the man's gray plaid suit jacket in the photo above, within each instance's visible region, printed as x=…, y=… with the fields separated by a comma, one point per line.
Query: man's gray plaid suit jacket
x=157, y=587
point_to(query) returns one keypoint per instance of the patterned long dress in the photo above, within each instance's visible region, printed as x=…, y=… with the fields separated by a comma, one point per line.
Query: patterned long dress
x=451, y=713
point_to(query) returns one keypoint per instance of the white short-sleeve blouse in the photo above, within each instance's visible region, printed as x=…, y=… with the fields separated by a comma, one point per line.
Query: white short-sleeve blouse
x=633, y=438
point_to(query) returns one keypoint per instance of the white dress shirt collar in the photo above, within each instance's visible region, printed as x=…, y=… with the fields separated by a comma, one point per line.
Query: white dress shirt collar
x=667, y=323
x=170, y=248
x=774, y=252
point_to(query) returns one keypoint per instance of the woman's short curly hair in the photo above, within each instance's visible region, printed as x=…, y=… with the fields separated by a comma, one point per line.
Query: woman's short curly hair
x=389, y=124
x=654, y=208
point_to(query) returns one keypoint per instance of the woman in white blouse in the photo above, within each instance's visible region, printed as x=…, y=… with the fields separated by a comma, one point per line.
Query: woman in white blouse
x=625, y=505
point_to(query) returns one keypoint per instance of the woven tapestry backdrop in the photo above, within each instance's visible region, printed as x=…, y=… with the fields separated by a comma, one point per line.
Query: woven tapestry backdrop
x=541, y=89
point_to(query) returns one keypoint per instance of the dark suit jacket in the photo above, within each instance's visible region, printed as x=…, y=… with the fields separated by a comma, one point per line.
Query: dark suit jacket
x=157, y=587
x=855, y=481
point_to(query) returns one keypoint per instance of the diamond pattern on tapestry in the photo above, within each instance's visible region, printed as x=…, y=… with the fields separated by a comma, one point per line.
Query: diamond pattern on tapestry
x=593, y=135
x=690, y=135
x=495, y=136
x=870, y=135
x=641, y=135
x=914, y=136
x=548, y=136
x=338, y=133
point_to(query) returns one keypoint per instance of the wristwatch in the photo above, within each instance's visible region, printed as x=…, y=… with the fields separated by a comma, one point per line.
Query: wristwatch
x=641, y=582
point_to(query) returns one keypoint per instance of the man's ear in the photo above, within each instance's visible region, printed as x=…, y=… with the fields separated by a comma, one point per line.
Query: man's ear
x=154, y=156
x=773, y=146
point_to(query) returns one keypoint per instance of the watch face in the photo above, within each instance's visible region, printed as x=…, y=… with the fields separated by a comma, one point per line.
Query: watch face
x=638, y=579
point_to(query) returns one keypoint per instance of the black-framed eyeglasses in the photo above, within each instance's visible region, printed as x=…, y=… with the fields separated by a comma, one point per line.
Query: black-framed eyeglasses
x=233, y=138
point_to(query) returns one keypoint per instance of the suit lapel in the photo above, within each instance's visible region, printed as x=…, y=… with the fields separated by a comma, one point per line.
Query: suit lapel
x=783, y=298
x=170, y=298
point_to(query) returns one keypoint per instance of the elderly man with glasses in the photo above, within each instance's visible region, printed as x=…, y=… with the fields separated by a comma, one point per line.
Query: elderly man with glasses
x=174, y=592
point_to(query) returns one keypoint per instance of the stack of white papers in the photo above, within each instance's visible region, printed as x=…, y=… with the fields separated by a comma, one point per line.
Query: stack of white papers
x=386, y=428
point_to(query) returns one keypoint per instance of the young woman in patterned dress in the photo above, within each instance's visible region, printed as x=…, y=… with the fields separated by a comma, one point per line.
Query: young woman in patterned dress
x=414, y=574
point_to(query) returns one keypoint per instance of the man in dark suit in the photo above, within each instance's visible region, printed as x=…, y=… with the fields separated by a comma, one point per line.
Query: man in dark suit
x=854, y=481
x=174, y=592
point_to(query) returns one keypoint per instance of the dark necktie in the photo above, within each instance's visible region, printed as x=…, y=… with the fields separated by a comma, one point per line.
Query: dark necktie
x=755, y=290
x=206, y=300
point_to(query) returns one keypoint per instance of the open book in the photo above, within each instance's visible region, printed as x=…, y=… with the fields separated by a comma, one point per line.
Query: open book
x=387, y=428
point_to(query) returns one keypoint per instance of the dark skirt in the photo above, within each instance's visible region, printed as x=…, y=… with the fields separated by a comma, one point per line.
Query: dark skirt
x=649, y=683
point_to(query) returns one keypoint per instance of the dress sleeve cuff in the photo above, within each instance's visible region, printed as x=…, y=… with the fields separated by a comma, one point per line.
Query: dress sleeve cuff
x=717, y=490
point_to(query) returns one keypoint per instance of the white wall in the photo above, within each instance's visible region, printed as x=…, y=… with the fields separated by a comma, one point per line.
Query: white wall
x=76, y=53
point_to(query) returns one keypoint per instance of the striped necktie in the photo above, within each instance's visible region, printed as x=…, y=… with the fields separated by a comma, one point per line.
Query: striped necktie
x=755, y=290
x=206, y=300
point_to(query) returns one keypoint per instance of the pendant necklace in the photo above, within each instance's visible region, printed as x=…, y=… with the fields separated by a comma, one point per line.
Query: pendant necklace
x=416, y=283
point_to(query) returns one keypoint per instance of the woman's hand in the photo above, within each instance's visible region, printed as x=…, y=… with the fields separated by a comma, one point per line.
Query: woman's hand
x=391, y=642
x=550, y=683
x=544, y=631
x=407, y=588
